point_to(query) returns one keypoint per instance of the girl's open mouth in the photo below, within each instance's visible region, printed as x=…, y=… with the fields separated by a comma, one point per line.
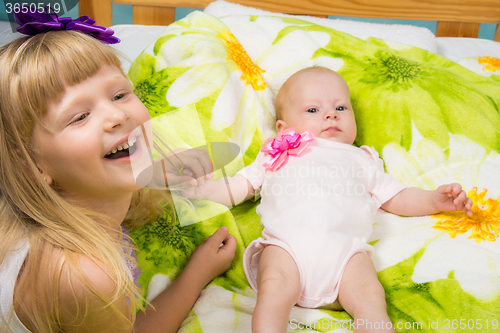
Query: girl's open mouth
x=124, y=150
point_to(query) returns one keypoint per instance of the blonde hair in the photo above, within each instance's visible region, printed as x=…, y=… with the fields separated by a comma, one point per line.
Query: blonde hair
x=281, y=96
x=35, y=71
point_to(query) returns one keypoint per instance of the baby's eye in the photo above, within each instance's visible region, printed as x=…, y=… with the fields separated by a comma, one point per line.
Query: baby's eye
x=340, y=108
x=118, y=96
x=312, y=110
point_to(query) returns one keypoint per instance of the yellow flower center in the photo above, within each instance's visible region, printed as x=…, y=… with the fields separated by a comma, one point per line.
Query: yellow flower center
x=491, y=64
x=251, y=73
x=484, y=222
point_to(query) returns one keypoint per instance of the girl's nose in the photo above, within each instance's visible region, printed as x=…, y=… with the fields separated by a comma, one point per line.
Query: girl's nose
x=114, y=116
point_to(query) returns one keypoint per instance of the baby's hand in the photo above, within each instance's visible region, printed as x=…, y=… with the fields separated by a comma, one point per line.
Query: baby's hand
x=196, y=192
x=214, y=256
x=179, y=170
x=451, y=197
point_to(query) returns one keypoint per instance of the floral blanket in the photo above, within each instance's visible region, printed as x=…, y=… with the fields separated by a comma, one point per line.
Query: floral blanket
x=210, y=80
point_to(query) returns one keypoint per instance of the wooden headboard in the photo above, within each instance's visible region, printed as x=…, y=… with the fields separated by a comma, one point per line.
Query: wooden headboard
x=456, y=18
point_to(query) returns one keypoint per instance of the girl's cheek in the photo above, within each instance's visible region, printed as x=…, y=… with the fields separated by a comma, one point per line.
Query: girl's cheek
x=144, y=109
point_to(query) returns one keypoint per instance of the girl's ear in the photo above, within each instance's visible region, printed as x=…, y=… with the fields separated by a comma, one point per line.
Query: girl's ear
x=24, y=163
x=46, y=177
x=281, y=125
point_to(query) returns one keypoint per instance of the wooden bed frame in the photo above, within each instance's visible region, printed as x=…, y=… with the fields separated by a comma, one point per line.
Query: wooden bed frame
x=456, y=18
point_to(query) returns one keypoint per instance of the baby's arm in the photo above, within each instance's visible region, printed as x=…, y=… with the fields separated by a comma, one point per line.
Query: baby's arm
x=228, y=191
x=414, y=201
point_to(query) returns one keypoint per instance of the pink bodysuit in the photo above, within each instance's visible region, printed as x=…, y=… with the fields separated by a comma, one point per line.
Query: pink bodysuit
x=319, y=207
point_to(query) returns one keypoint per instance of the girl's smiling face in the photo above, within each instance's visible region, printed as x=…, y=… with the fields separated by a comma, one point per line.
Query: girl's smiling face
x=318, y=100
x=89, y=120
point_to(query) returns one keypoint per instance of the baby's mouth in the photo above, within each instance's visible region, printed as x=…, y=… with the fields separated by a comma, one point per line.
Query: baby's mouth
x=123, y=150
x=332, y=129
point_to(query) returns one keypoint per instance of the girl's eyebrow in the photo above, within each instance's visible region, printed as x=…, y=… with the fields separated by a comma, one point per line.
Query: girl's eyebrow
x=65, y=108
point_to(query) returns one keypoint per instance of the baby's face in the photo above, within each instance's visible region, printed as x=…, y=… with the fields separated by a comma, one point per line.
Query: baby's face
x=318, y=101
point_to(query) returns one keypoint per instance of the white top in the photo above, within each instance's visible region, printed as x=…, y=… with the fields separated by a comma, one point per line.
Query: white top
x=320, y=202
x=327, y=169
x=8, y=275
x=332, y=188
x=9, y=272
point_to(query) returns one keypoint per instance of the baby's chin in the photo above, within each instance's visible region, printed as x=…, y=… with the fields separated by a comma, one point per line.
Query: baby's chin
x=335, y=137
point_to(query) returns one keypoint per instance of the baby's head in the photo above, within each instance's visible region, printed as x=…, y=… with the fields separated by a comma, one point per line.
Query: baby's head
x=316, y=99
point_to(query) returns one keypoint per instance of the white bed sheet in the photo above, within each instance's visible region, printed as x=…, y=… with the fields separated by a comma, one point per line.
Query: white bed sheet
x=455, y=48
x=135, y=38
x=6, y=34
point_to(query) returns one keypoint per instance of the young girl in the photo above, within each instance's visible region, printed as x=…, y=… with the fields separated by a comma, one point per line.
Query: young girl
x=319, y=193
x=66, y=108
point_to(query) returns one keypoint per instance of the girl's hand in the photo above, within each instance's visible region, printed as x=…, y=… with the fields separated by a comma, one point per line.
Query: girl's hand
x=451, y=197
x=214, y=256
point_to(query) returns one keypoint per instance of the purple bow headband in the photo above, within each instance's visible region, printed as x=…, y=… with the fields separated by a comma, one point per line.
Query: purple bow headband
x=35, y=23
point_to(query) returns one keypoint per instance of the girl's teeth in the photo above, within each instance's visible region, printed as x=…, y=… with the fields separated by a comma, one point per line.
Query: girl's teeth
x=123, y=146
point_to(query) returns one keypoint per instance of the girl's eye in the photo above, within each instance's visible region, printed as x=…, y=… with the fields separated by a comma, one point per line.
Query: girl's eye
x=312, y=110
x=118, y=96
x=81, y=117
x=340, y=108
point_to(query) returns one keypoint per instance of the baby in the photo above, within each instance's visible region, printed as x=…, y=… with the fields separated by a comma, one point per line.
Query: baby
x=319, y=193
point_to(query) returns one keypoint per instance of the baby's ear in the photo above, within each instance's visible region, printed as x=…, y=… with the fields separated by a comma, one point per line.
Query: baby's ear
x=281, y=125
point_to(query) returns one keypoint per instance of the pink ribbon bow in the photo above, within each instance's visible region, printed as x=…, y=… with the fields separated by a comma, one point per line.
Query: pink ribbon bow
x=291, y=143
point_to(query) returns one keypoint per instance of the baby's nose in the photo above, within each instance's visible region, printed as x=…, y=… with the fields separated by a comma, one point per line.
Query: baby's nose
x=331, y=114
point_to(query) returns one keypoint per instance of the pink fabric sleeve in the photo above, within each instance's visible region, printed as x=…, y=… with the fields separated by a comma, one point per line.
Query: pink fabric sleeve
x=384, y=186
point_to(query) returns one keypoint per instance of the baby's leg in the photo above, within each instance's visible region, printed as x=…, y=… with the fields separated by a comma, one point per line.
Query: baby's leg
x=278, y=283
x=363, y=297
